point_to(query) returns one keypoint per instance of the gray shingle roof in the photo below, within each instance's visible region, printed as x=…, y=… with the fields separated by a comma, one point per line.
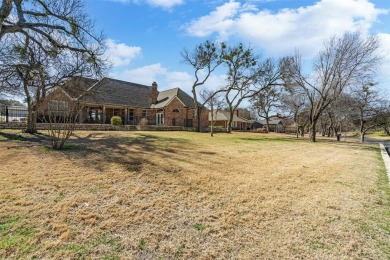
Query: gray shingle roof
x=221, y=115
x=185, y=98
x=117, y=92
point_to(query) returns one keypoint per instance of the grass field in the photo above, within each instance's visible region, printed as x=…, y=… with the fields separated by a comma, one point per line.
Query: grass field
x=379, y=135
x=183, y=195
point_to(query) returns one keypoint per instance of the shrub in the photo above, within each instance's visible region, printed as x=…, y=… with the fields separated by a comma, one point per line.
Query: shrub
x=116, y=120
x=143, y=122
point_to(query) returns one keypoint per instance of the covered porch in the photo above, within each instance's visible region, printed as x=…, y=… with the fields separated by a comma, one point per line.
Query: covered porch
x=102, y=114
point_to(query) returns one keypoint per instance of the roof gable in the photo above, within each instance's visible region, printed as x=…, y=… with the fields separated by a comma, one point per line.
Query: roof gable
x=76, y=86
x=166, y=96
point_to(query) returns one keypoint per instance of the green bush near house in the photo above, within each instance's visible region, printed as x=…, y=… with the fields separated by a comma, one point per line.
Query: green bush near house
x=116, y=120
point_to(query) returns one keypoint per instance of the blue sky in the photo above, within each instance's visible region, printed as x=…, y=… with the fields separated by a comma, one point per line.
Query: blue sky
x=145, y=37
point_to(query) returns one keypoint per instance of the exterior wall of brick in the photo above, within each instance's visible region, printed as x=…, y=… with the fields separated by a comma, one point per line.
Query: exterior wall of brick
x=175, y=114
x=204, y=118
x=56, y=94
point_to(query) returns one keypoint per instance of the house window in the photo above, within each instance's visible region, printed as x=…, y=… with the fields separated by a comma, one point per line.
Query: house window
x=63, y=106
x=160, y=118
x=173, y=121
x=53, y=105
x=117, y=112
x=94, y=115
x=175, y=110
x=131, y=114
x=144, y=113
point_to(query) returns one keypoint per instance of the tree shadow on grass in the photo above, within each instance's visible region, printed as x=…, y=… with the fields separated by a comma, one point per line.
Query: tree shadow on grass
x=132, y=152
x=23, y=137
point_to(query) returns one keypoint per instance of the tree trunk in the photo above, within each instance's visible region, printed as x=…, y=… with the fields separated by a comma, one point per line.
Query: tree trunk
x=196, y=109
x=297, y=131
x=335, y=131
x=267, y=121
x=198, y=118
x=212, y=123
x=362, y=125
x=362, y=137
x=32, y=117
x=313, y=131
x=229, y=126
x=329, y=131
x=323, y=128
x=302, y=131
x=387, y=130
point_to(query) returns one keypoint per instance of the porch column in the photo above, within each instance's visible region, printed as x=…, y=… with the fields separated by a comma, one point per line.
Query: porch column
x=81, y=113
x=163, y=120
x=104, y=115
x=126, y=116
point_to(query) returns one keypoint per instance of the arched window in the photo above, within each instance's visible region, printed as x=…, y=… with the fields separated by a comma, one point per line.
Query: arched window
x=175, y=110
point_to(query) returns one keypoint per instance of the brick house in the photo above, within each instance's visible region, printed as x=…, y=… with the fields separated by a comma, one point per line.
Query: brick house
x=99, y=100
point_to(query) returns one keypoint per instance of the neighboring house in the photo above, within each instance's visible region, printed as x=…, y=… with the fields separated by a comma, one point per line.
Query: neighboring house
x=100, y=100
x=221, y=119
x=275, y=125
x=13, y=113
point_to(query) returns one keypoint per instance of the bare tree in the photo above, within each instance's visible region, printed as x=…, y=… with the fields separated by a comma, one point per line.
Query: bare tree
x=26, y=68
x=213, y=100
x=205, y=58
x=295, y=103
x=337, y=116
x=39, y=39
x=384, y=118
x=367, y=105
x=246, y=77
x=61, y=121
x=266, y=102
x=342, y=62
x=53, y=25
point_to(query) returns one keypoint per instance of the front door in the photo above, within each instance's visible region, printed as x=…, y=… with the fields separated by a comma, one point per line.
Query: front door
x=159, y=118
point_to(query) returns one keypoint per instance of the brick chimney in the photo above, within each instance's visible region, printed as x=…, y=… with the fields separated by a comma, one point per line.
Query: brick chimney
x=154, y=94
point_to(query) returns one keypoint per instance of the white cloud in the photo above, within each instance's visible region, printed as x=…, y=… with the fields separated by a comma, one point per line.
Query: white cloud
x=282, y=32
x=143, y=75
x=165, y=4
x=384, y=73
x=165, y=78
x=221, y=21
x=120, y=54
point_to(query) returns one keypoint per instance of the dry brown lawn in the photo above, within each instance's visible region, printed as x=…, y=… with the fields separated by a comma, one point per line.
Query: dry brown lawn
x=182, y=195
